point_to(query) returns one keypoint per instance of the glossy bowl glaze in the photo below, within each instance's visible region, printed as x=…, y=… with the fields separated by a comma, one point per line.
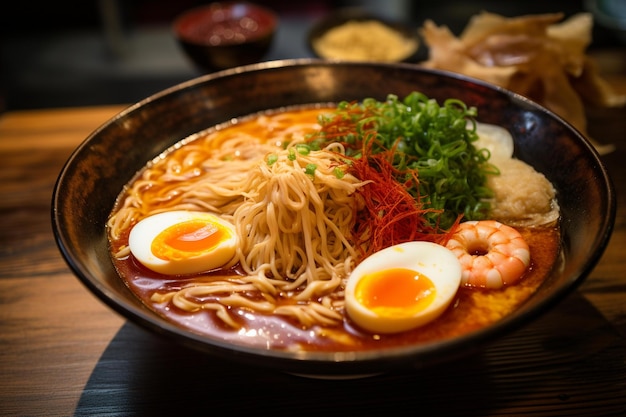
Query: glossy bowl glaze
x=225, y=34
x=108, y=159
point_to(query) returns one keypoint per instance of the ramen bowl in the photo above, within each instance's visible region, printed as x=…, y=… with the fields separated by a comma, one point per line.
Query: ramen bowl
x=98, y=170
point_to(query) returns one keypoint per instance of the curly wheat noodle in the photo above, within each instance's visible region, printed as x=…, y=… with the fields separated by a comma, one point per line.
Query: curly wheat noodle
x=293, y=227
x=161, y=187
x=296, y=228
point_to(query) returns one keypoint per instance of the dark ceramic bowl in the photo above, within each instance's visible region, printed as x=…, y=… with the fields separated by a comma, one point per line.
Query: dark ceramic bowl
x=355, y=14
x=225, y=35
x=100, y=167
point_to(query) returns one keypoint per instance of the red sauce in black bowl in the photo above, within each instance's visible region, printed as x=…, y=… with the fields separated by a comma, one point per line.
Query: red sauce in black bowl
x=225, y=24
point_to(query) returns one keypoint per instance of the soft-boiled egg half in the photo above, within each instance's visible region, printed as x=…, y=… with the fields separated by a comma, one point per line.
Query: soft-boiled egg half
x=183, y=242
x=402, y=287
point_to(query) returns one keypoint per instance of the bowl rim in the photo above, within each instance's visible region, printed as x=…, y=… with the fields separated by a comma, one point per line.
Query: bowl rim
x=313, y=362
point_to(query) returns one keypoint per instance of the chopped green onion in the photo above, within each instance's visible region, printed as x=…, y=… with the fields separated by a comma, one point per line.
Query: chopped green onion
x=310, y=169
x=338, y=173
x=303, y=149
x=429, y=137
x=272, y=158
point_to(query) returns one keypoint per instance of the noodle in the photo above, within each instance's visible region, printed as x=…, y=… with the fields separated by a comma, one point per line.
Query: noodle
x=294, y=225
x=295, y=211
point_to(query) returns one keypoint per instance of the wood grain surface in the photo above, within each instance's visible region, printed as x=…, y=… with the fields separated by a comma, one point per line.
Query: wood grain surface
x=62, y=352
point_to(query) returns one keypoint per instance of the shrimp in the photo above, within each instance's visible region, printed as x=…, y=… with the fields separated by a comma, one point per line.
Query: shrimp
x=492, y=254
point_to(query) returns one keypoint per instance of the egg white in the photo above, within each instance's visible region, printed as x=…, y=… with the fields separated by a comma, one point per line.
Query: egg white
x=146, y=230
x=434, y=261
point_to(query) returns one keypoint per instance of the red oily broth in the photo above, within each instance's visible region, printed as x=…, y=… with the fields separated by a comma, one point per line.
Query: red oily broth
x=472, y=309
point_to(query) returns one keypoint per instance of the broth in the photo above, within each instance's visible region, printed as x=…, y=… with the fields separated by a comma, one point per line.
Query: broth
x=471, y=309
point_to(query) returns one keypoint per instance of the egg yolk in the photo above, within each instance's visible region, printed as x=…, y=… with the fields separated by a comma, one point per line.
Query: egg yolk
x=395, y=292
x=188, y=238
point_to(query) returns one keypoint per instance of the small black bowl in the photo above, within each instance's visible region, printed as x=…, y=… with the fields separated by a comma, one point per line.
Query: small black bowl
x=109, y=158
x=358, y=15
x=225, y=35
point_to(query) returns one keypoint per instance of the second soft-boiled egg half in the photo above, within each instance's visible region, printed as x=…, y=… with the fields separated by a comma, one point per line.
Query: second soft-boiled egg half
x=402, y=287
x=183, y=242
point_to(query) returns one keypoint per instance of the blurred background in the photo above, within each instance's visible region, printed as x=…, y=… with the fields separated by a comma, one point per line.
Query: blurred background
x=91, y=52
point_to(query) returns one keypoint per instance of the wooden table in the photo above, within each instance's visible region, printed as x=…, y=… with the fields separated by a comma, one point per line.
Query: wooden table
x=62, y=352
